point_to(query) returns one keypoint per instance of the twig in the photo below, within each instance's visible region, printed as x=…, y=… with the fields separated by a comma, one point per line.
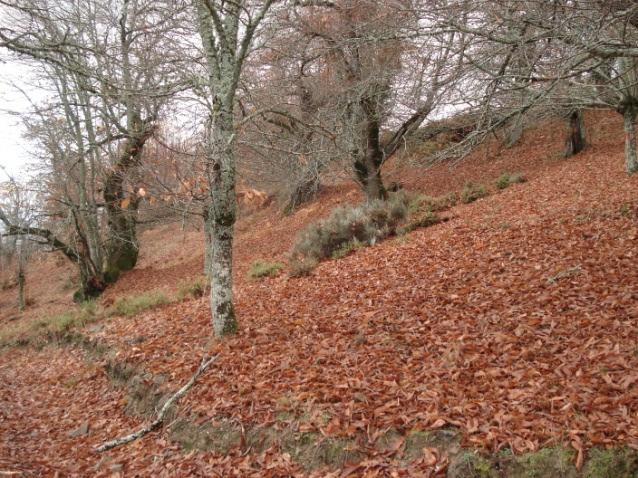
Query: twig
x=160, y=416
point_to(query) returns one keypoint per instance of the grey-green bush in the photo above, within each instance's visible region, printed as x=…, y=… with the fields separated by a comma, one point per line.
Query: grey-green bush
x=505, y=179
x=365, y=224
x=471, y=192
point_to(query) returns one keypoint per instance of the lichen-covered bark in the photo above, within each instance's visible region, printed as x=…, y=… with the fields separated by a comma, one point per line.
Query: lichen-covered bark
x=122, y=246
x=220, y=25
x=221, y=222
x=629, y=120
x=208, y=243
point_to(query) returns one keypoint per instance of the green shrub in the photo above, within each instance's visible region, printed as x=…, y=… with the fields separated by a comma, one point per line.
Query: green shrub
x=424, y=220
x=366, y=225
x=505, y=179
x=471, y=192
x=346, y=249
x=259, y=269
x=441, y=203
x=133, y=305
x=195, y=288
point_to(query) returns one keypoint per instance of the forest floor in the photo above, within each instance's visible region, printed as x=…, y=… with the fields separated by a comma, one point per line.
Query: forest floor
x=511, y=330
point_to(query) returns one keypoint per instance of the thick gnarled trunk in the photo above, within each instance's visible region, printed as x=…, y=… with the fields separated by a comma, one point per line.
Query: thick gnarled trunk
x=576, y=139
x=368, y=171
x=368, y=167
x=122, y=247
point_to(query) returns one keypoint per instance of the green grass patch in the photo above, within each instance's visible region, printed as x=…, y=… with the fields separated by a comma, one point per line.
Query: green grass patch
x=426, y=219
x=347, y=249
x=545, y=463
x=195, y=288
x=507, y=179
x=133, y=305
x=472, y=192
x=25, y=333
x=261, y=269
x=618, y=462
x=470, y=464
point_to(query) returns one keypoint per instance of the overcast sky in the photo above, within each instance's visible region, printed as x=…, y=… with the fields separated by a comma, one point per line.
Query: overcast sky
x=13, y=147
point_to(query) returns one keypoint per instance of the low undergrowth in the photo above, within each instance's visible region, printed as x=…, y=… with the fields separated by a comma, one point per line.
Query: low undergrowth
x=507, y=179
x=47, y=328
x=350, y=228
x=473, y=192
x=261, y=269
x=194, y=288
x=133, y=305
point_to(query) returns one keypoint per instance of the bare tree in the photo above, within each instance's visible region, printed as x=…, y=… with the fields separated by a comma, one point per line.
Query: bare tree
x=17, y=207
x=109, y=81
x=379, y=74
x=585, y=57
x=228, y=31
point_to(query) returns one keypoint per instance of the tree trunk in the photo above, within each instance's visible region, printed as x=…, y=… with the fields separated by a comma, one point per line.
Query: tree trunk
x=122, y=247
x=221, y=222
x=368, y=168
x=304, y=191
x=515, y=132
x=21, y=278
x=576, y=140
x=208, y=243
x=629, y=117
x=368, y=173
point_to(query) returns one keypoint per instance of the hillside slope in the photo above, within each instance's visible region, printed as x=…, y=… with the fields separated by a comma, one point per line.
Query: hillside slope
x=515, y=323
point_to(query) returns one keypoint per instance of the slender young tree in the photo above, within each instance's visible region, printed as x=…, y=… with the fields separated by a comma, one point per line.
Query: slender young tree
x=228, y=31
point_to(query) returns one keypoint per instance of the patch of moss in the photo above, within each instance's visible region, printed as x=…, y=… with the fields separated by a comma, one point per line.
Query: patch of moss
x=617, y=463
x=312, y=451
x=546, y=463
x=220, y=438
x=133, y=305
x=415, y=441
x=470, y=464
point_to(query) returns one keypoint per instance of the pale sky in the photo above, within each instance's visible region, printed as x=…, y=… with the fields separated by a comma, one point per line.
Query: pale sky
x=13, y=147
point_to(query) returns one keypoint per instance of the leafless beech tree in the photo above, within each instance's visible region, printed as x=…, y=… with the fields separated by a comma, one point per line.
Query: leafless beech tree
x=229, y=31
x=584, y=56
x=379, y=72
x=17, y=207
x=110, y=67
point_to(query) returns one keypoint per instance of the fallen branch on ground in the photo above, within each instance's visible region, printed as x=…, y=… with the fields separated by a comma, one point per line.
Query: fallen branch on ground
x=160, y=416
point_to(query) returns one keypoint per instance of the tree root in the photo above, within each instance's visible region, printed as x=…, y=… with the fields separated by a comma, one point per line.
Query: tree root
x=160, y=416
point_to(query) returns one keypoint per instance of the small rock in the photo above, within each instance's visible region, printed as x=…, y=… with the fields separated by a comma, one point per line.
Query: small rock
x=81, y=431
x=95, y=328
